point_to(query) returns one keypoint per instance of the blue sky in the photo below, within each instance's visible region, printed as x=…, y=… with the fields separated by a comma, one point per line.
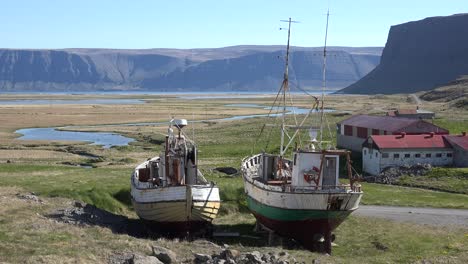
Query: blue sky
x=205, y=23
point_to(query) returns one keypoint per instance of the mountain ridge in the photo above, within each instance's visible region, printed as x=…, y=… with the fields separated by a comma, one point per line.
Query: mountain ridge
x=236, y=68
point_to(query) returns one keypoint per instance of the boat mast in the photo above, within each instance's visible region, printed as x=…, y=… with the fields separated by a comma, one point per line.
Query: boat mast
x=285, y=88
x=324, y=80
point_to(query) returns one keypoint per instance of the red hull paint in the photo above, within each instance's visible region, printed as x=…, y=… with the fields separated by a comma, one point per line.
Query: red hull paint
x=305, y=232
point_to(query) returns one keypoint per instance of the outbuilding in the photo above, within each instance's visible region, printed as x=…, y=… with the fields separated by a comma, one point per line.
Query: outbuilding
x=352, y=132
x=382, y=151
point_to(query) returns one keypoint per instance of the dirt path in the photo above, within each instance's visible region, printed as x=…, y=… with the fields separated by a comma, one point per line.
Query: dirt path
x=430, y=216
x=416, y=99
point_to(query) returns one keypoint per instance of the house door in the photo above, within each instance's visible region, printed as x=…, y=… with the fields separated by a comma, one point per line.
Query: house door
x=329, y=173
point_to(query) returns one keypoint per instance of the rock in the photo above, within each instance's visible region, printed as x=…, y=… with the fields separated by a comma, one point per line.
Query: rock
x=207, y=243
x=379, y=246
x=121, y=258
x=316, y=261
x=229, y=254
x=140, y=259
x=254, y=257
x=165, y=255
x=8, y=161
x=282, y=253
x=29, y=197
x=202, y=258
x=79, y=204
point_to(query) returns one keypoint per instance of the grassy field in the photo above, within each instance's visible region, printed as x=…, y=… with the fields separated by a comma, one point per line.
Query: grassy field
x=444, y=179
x=49, y=169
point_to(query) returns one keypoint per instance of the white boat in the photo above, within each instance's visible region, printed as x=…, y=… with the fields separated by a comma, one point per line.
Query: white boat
x=170, y=192
x=302, y=197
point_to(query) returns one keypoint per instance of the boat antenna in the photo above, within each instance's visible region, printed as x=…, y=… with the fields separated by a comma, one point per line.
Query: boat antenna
x=324, y=79
x=285, y=85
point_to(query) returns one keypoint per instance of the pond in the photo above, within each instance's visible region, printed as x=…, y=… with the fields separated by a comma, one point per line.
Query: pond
x=106, y=140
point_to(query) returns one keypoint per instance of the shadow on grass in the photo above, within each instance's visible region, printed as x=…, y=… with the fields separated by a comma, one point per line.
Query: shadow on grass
x=87, y=215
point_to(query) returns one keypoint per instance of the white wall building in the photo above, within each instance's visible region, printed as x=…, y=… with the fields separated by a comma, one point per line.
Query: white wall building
x=382, y=151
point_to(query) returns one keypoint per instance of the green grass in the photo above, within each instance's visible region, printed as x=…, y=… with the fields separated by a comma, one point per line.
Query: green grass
x=357, y=238
x=454, y=126
x=99, y=186
x=379, y=194
x=444, y=179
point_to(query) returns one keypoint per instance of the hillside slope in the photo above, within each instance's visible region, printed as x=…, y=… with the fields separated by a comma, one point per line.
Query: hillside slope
x=419, y=55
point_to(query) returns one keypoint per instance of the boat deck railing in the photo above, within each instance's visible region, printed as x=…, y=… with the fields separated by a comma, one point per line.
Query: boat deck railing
x=344, y=188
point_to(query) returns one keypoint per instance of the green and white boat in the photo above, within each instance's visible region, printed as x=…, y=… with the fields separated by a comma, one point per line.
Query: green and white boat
x=302, y=197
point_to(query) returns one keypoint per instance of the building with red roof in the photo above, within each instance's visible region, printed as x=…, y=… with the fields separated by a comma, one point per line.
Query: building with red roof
x=459, y=144
x=382, y=151
x=352, y=132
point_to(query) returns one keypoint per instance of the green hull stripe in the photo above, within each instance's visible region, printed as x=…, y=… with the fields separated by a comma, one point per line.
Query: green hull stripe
x=292, y=214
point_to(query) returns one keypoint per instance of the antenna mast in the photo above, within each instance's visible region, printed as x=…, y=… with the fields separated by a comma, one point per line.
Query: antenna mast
x=285, y=85
x=324, y=80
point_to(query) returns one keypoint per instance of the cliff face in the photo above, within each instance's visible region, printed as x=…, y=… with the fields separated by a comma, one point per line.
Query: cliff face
x=418, y=56
x=242, y=68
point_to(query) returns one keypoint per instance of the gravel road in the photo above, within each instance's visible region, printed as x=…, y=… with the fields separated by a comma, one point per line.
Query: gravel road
x=430, y=216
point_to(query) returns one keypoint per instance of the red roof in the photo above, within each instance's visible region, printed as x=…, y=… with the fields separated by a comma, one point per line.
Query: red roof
x=393, y=124
x=409, y=141
x=460, y=140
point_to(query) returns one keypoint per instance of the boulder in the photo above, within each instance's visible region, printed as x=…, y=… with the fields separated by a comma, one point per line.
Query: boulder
x=165, y=255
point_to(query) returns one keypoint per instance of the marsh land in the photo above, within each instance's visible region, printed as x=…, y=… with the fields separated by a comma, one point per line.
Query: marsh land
x=59, y=172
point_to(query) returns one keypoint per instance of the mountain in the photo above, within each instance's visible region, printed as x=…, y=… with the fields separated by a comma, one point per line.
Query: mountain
x=418, y=56
x=237, y=68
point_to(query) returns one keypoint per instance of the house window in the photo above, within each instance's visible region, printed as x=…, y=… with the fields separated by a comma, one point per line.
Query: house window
x=449, y=155
x=348, y=130
x=376, y=154
x=362, y=132
x=396, y=156
x=365, y=152
x=384, y=155
x=417, y=155
x=407, y=155
x=428, y=155
x=439, y=155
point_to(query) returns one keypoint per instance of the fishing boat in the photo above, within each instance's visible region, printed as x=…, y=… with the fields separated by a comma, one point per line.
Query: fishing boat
x=303, y=197
x=170, y=192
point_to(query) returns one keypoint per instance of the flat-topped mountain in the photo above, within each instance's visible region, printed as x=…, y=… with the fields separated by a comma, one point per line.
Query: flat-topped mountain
x=419, y=55
x=237, y=68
